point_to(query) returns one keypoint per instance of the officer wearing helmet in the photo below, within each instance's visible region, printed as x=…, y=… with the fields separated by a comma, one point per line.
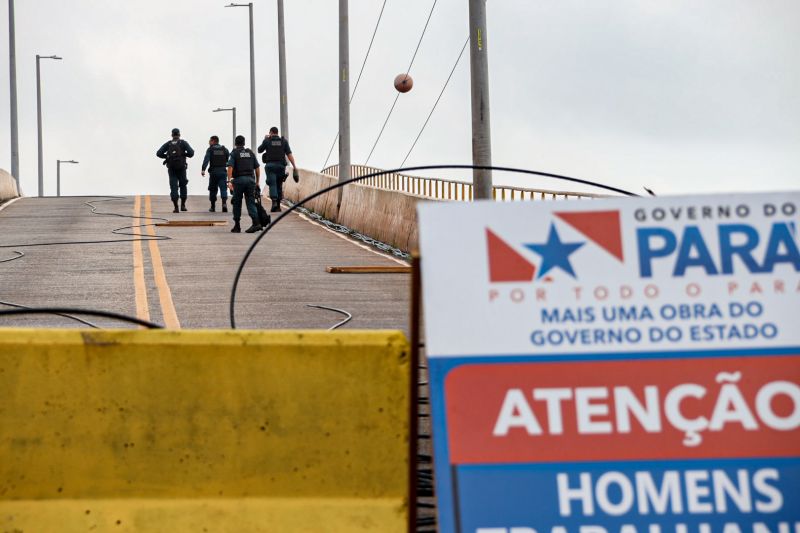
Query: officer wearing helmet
x=174, y=154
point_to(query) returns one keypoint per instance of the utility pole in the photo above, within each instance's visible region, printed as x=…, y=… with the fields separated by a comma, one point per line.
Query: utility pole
x=481, y=124
x=282, y=72
x=344, y=98
x=39, y=119
x=12, y=71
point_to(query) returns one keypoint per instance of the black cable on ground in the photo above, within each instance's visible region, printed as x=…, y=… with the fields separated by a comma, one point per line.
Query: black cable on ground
x=436, y=103
x=22, y=309
x=344, y=230
x=61, y=311
x=18, y=256
x=117, y=231
x=75, y=318
x=284, y=214
x=348, y=316
x=408, y=71
x=358, y=80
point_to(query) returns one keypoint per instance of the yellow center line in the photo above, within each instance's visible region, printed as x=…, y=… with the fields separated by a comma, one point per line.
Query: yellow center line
x=164, y=294
x=142, y=308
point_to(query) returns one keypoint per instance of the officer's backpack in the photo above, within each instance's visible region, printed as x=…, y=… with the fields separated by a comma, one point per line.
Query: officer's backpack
x=219, y=157
x=176, y=156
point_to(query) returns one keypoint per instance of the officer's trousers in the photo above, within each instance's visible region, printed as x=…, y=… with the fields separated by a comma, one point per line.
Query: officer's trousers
x=275, y=174
x=244, y=186
x=217, y=180
x=177, y=181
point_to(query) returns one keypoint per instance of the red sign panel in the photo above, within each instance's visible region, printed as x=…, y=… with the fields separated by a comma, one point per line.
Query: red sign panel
x=624, y=410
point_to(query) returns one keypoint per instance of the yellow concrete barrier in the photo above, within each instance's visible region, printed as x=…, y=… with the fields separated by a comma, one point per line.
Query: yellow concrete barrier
x=203, y=431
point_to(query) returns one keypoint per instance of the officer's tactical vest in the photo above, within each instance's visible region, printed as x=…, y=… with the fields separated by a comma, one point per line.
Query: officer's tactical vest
x=244, y=162
x=274, y=153
x=218, y=157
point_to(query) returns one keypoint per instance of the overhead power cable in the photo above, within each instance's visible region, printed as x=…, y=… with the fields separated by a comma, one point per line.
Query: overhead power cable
x=458, y=60
x=358, y=80
x=397, y=96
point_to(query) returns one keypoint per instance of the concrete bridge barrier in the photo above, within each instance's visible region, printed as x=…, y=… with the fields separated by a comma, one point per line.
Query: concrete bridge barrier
x=388, y=216
x=204, y=431
x=8, y=186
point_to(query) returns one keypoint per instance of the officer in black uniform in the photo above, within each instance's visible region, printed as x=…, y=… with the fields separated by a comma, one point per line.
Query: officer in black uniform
x=276, y=150
x=174, y=154
x=216, y=160
x=243, y=178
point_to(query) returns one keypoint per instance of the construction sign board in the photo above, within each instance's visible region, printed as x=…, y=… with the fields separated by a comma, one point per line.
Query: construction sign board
x=623, y=365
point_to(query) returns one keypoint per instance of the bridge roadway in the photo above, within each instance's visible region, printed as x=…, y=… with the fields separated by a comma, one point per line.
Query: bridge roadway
x=186, y=281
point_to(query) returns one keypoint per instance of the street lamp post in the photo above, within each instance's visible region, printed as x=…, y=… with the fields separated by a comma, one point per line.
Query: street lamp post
x=252, y=75
x=39, y=118
x=58, y=174
x=217, y=110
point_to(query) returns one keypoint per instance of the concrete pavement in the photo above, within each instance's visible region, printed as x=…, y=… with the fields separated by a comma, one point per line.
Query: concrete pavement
x=185, y=281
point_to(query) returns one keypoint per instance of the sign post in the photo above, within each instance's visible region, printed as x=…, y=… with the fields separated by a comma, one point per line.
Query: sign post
x=615, y=366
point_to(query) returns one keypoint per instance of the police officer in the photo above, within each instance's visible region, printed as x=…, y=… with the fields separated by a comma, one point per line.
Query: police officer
x=174, y=154
x=217, y=157
x=276, y=150
x=243, y=178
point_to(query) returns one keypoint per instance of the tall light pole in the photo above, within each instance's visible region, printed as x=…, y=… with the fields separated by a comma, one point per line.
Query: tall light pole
x=481, y=125
x=12, y=74
x=39, y=118
x=219, y=109
x=253, y=141
x=344, y=97
x=58, y=174
x=282, y=72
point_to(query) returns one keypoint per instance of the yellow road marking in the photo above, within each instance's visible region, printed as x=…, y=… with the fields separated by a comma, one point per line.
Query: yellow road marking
x=164, y=294
x=142, y=308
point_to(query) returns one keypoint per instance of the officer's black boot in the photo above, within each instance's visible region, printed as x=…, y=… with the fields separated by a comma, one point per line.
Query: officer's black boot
x=254, y=228
x=213, y=207
x=276, y=206
x=224, y=205
x=183, y=204
x=236, y=227
x=175, y=203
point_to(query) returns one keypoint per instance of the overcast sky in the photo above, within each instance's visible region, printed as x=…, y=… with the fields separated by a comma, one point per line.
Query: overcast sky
x=681, y=95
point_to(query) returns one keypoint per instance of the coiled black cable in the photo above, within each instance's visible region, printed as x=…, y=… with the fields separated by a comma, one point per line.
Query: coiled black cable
x=117, y=231
x=65, y=312
x=284, y=214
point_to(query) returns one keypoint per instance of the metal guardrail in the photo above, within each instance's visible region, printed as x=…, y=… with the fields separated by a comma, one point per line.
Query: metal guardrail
x=444, y=189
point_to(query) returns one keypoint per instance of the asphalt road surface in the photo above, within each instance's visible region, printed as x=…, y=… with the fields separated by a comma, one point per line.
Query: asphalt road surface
x=185, y=280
